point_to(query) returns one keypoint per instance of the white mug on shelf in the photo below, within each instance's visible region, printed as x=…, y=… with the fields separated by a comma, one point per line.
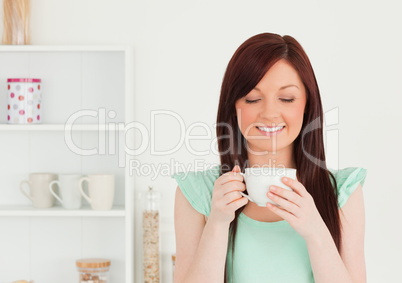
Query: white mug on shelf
x=70, y=195
x=101, y=191
x=39, y=194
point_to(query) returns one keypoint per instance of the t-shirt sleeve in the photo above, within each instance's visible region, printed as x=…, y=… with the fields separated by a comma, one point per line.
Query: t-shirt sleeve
x=348, y=179
x=197, y=187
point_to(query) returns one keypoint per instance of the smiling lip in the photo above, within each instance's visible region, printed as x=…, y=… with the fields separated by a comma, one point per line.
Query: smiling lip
x=269, y=134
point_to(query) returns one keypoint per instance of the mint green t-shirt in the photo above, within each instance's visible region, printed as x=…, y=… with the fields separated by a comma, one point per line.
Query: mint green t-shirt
x=264, y=251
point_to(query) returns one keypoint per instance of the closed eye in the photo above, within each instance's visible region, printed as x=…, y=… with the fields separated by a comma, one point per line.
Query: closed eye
x=288, y=100
x=284, y=100
x=251, y=101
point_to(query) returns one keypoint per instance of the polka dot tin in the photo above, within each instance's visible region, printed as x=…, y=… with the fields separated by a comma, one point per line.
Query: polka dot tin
x=24, y=98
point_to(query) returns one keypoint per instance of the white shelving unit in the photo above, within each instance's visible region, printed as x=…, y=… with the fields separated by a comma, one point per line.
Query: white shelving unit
x=55, y=127
x=85, y=211
x=43, y=244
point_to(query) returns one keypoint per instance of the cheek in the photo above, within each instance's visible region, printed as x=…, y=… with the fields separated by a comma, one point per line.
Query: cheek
x=296, y=117
x=244, y=118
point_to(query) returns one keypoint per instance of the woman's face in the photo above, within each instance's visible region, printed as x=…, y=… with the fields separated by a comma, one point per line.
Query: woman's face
x=272, y=103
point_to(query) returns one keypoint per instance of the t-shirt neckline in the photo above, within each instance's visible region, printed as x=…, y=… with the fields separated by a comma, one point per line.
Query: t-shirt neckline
x=254, y=222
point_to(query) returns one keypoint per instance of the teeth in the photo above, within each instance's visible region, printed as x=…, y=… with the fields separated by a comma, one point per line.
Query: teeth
x=266, y=129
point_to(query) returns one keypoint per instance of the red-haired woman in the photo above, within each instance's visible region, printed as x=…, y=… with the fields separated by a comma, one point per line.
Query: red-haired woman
x=270, y=115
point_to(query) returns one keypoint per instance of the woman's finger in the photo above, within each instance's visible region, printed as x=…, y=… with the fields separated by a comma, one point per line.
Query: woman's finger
x=235, y=205
x=232, y=196
x=229, y=177
x=232, y=186
x=284, y=203
x=286, y=215
x=289, y=195
x=295, y=185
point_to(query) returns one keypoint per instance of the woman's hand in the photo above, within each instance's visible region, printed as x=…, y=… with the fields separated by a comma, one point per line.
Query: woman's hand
x=226, y=198
x=297, y=208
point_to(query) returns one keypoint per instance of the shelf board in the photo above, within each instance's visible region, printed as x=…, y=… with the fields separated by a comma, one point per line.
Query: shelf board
x=62, y=48
x=57, y=127
x=28, y=210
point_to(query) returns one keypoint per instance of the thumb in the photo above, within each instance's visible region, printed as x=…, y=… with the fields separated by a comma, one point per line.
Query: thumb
x=236, y=169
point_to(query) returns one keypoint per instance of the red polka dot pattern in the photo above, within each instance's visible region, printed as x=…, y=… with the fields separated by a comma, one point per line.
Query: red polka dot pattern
x=24, y=99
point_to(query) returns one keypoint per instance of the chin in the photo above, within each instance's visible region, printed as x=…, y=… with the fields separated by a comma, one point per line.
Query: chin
x=269, y=145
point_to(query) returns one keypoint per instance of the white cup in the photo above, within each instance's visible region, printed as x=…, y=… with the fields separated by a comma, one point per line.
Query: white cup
x=70, y=195
x=101, y=191
x=39, y=194
x=259, y=179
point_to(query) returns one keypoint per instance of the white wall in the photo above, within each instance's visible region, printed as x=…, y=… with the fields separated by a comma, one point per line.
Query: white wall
x=181, y=52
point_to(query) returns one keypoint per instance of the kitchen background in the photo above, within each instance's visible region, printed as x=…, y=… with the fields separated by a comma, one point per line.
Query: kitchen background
x=181, y=50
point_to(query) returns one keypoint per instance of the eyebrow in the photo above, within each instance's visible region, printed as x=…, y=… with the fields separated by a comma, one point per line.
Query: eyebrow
x=283, y=87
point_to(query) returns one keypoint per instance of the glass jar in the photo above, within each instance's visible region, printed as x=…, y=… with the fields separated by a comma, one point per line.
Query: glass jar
x=173, y=264
x=150, y=225
x=93, y=270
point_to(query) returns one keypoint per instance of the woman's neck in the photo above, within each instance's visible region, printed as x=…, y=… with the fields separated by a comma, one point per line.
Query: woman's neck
x=281, y=159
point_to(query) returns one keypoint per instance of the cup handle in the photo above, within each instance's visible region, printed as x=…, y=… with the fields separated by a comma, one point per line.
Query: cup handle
x=82, y=189
x=23, y=191
x=244, y=195
x=52, y=192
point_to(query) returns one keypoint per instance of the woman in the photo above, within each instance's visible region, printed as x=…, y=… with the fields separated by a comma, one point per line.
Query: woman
x=317, y=232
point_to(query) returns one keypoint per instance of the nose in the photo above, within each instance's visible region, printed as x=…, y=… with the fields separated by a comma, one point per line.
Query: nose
x=270, y=111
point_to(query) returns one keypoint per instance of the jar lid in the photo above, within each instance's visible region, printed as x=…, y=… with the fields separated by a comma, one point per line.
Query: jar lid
x=23, y=80
x=92, y=262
